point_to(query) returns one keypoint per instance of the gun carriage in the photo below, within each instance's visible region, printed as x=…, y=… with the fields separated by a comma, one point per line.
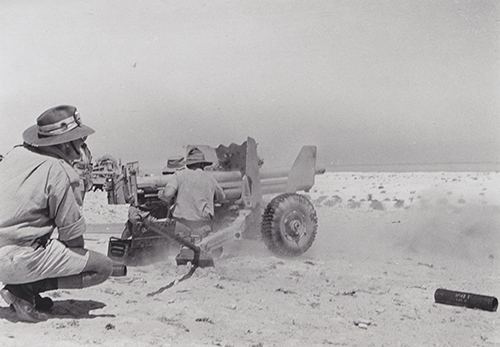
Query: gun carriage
x=260, y=203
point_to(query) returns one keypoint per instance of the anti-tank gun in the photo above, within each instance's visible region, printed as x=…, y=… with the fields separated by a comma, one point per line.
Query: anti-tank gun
x=260, y=203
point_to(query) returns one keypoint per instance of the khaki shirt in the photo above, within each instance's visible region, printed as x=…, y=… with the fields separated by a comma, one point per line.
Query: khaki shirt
x=196, y=191
x=37, y=196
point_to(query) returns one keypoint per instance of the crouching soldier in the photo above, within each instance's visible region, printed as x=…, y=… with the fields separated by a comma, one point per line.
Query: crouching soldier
x=39, y=195
x=194, y=192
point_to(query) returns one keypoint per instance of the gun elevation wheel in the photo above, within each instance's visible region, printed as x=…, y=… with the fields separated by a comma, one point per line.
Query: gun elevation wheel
x=289, y=224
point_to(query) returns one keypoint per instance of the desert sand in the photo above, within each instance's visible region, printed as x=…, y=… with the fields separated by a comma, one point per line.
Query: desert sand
x=385, y=243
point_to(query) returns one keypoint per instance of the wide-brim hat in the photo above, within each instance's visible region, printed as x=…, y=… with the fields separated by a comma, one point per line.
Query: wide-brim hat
x=174, y=165
x=57, y=125
x=196, y=156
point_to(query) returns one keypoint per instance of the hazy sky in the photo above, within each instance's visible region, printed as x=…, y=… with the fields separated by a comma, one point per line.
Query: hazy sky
x=366, y=81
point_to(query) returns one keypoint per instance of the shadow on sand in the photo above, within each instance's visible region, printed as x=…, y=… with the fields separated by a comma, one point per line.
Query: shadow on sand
x=71, y=309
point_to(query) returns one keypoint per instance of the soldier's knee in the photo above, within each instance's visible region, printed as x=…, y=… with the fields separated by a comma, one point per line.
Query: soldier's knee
x=106, y=267
x=102, y=276
x=100, y=264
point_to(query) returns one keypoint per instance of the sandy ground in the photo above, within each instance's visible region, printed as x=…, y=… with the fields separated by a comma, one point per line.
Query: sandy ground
x=385, y=243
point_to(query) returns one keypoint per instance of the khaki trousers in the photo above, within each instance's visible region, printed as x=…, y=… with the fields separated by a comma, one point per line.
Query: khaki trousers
x=193, y=230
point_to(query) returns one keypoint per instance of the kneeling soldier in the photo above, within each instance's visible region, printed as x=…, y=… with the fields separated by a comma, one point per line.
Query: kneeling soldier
x=40, y=194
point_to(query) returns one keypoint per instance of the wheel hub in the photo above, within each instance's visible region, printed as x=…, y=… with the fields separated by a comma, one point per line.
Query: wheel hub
x=294, y=226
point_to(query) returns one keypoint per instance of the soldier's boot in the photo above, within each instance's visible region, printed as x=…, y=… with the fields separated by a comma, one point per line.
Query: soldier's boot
x=21, y=298
x=44, y=304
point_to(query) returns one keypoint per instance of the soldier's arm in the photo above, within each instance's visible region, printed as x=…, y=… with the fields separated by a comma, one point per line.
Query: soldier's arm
x=63, y=207
x=168, y=193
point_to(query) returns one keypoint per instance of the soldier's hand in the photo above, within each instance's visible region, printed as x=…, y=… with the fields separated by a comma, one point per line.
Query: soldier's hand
x=77, y=242
x=135, y=215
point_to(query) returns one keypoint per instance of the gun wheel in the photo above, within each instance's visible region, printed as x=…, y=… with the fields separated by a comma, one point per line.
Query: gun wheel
x=289, y=225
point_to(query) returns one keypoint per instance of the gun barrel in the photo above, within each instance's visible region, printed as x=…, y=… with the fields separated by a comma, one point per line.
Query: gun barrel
x=229, y=185
x=227, y=179
x=226, y=176
x=271, y=181
x=235, y=193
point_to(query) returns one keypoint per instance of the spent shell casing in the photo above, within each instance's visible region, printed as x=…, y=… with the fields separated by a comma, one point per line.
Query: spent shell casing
x=469, y=300
x=119, y=270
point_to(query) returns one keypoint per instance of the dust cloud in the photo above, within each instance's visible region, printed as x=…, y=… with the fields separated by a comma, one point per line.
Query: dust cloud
x=469, y=232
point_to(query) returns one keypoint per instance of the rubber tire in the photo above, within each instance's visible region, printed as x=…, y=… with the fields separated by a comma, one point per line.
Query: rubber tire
x=275, y=211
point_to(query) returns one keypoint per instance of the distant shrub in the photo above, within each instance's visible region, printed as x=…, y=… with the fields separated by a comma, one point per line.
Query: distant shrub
x=319, y=200
x=353, y=204
x=399, y=203
x=377, y=205
x=333, y=201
